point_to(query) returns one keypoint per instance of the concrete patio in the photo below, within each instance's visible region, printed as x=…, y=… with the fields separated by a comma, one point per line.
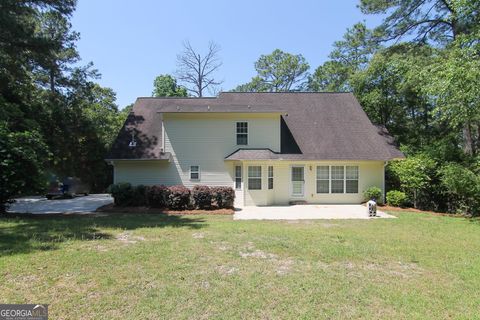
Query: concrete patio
x=304, y=212
x=40, y=205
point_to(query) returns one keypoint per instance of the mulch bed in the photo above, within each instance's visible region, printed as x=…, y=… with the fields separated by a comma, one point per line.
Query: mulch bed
x=110, y=208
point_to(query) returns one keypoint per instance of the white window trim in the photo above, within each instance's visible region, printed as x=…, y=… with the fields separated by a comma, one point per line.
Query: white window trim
x=304, y=182
x=235, y=177
x=190, y=173
x=248, y=132
x=358, y=179
x=271, y=177
x=260, y=177
x=344, y=178
x=316, y=179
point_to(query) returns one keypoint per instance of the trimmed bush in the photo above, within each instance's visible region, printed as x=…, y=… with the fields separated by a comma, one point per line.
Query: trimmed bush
x=373, y=192
x=396, y=198
x=122, y=194
x=139, y=196
x=125, y=195
x=202, y=197
x=223, y=196
x=178, y=197
x=157, y=196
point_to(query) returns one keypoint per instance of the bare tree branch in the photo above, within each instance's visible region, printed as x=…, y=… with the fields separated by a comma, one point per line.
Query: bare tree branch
x=196, y=71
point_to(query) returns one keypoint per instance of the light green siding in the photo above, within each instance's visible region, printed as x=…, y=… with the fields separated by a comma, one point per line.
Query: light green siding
x=370, y=174
x=206, y=139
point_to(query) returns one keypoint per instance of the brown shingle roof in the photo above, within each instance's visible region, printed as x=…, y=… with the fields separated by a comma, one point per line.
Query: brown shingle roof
x=323, y=126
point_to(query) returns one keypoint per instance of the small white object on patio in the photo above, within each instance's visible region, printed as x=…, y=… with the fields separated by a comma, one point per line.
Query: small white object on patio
x=40, y=205
x=306, y=212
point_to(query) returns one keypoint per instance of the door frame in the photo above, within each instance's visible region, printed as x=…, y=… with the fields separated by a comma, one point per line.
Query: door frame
x=297, y=196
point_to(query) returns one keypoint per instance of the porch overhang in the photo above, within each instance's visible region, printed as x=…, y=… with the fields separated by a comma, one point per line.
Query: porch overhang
x=261, y=154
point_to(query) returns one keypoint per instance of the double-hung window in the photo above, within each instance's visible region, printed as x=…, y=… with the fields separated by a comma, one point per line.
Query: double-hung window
x=242, y=133
x=337, y=178
x=270, y=177
x=351, y=179
x=194, y=173
x=254, y=177
x=238, y=177
x=323, y=179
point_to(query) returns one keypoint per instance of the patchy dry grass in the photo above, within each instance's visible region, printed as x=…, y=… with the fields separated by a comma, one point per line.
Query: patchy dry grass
x=200, y=267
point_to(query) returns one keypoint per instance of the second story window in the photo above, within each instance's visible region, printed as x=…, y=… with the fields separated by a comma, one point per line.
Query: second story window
x=242, y=133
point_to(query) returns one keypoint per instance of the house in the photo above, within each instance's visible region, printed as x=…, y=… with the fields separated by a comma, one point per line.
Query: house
x=272, y=148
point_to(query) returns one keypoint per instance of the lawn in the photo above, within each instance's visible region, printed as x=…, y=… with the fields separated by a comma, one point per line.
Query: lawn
x=151, y=266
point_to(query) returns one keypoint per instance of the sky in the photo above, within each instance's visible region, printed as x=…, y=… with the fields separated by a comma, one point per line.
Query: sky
x=131, y=42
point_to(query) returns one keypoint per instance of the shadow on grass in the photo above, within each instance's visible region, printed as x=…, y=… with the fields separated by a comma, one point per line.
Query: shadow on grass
x=29, y=233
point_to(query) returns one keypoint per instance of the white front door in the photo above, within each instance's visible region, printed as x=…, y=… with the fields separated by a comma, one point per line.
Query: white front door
x=298, y=181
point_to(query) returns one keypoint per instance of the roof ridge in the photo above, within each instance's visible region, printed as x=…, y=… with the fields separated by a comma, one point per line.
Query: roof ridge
x=288, y=92
x=177, y=98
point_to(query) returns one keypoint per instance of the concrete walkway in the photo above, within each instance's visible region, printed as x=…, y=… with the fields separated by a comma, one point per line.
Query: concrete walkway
x=40, y=205
x=300, y=212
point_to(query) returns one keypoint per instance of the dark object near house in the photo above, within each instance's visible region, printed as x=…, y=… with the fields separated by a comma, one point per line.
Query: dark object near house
x=70, y=187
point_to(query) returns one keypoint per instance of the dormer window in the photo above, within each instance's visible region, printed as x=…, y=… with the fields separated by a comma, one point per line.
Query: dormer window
x=242, y=133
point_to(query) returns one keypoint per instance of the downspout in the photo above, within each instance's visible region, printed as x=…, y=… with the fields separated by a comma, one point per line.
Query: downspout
x=383, y=183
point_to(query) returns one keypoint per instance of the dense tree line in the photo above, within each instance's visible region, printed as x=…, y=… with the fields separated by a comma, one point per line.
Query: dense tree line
x=54, y=120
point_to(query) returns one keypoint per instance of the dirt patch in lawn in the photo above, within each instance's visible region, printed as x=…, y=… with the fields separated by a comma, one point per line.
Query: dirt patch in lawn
x=282, y=266
x=111, y=208
x=128, y=238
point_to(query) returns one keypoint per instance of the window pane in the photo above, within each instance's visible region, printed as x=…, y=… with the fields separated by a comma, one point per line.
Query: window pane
x=194, y=172
x=351, y=172
x=238, y=183
x=337, y=172
x=238, y=171
x=337, y=186
x=242, y=139
x=254, y=171
x=270, y=177
x=352, y=186
x=323, y=186
x=254, y=183
x=322, y=172
x=242, y=127
x=297, y=173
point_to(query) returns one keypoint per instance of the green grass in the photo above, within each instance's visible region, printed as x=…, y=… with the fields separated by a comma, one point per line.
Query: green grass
x=197, y=267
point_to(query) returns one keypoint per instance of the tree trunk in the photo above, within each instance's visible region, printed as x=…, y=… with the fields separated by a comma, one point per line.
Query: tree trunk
x=468, y=139
x=415, y=198
x=52, y=80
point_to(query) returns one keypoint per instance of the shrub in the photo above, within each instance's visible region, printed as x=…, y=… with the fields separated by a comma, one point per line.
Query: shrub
x=396, y=198
x=462, y=186
x=223, y=196
x=178, y=197
x=373, y=192
x=122, y=194
x=157, y=196
x=139, y=196
x=202, y=197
